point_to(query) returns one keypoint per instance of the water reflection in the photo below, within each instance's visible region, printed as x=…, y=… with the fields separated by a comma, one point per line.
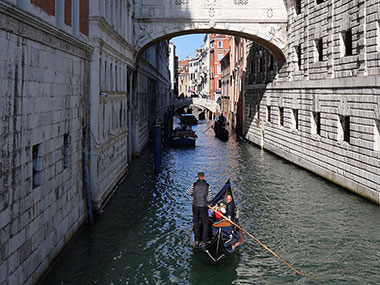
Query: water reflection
x=143, y=235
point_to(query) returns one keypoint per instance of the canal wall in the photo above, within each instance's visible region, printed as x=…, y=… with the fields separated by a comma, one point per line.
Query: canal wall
x=44, y=83
x=321, y=110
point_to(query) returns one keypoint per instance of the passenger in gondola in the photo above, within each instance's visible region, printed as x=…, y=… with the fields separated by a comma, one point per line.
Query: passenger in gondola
x=230, y=208
x=201, y=192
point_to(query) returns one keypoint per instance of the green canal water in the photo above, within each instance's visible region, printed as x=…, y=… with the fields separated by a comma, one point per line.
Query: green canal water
x=142, y=237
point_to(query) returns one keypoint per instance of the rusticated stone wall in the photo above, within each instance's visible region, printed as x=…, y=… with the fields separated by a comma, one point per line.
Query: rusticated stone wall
x=321, y=110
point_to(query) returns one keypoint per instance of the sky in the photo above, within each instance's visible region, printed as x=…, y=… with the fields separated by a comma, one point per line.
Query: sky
x=186, y=45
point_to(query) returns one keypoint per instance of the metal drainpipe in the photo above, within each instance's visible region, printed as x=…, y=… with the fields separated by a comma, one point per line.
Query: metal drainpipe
x=86, y=178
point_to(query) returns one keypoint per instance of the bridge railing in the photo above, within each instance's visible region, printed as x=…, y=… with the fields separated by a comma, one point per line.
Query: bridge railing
x=205, y=103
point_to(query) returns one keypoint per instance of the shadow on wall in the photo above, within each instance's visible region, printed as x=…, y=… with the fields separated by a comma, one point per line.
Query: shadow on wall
x=262, y=69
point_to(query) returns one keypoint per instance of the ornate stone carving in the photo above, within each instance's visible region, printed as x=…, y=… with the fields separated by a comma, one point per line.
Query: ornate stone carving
x=211, y=12
x=240, y=2
x=270, y=13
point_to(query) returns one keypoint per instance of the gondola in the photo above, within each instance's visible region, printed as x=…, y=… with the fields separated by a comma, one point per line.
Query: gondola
x=224, y=238
x=220, y=132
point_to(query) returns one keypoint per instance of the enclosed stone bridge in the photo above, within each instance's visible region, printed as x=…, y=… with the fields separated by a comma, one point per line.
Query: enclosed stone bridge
x=263, y=22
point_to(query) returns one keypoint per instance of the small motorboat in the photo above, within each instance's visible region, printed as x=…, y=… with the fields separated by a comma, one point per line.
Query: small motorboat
x=224, y=238
x=183, y=136
x=188, y=119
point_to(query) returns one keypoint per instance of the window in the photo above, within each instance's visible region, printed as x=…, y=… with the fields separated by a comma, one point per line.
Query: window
x=249, y=111
x=220, y=56
x=378, y=36
x=111, y=77
x=252, y=69
x=316, y=123
x=220, y=44
x=346, y=43
x=298, y=6
x=105, y=75
x=219, y=69
x=281, y=111
x=37, y=165
x=318, y=50
x=100, y=74
x=66, y=151
x=295, y=119
x=261, y=64
x=271, y=63
x=268, y=114
x=258, y=111
x=219, y=83
x=298, y=57
x=344, y=128
x=377, y=135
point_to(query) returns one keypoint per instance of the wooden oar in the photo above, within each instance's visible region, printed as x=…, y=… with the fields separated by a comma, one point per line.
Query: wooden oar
x=207, y=128
x=267, y=248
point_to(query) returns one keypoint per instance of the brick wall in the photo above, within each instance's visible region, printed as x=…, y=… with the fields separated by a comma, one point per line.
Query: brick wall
x=46, y=5
x=83, y=16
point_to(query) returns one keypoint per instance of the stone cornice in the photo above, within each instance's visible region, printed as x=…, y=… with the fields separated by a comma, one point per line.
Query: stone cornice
x=340, y=83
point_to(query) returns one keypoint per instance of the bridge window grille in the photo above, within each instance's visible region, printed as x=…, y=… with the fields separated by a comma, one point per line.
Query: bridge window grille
x=377, y=135
x=37, y=165
x=346, y=43
x=345, y=125
x=319, y=1
x=298, y=6
x=240, y=2
x=281, y=111
x=319, y=50
x=269, y=114
x=66, y=151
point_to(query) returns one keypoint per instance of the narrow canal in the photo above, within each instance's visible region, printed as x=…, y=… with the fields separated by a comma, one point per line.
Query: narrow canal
x=143, y=235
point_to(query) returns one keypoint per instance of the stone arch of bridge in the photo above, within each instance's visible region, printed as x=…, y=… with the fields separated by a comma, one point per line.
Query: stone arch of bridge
x=273, y=39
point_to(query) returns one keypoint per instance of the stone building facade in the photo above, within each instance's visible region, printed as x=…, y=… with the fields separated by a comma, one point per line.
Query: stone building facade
x=44, y=82
x=71, y=85
x=321, y=110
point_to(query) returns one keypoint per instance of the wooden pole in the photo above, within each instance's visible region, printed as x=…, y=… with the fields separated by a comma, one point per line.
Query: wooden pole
x=267, y=248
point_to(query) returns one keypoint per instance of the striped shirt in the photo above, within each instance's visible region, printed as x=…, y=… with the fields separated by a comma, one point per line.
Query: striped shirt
x=191, y=189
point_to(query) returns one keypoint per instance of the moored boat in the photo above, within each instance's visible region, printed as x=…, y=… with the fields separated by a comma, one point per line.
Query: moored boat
x=188, y=119
x=183, y=136
x=224, y=238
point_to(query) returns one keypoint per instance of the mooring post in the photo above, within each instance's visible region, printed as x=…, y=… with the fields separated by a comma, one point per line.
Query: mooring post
x=157, y=144
x=166, y=129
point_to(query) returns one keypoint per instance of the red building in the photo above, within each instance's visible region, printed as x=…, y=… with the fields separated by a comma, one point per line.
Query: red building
x=219, y=47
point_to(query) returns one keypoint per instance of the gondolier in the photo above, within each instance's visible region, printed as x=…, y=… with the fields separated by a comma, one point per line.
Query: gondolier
x=201, y=192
